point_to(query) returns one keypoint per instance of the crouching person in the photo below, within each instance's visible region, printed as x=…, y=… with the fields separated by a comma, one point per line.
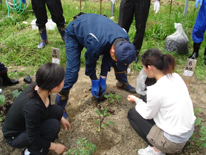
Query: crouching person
x=166, y=120
x=32, y=122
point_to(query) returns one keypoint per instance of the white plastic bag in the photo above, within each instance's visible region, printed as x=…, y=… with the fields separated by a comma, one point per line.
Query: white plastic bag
x=178, y=41
x=140, y=84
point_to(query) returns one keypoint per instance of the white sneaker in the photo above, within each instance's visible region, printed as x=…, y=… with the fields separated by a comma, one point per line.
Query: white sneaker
x=26, y=152
x=149, y=151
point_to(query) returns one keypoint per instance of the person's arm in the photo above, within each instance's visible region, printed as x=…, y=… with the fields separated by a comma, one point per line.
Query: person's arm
x=146, y=110
x=92, y=55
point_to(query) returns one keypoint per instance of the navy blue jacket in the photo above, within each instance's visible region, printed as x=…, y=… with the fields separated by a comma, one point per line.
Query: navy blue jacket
x=97, y=33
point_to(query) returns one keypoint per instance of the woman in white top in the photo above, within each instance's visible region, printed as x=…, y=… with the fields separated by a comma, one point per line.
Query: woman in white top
x=166, y=120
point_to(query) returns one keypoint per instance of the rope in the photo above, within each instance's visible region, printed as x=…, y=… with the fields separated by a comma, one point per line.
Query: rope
x=16, y=7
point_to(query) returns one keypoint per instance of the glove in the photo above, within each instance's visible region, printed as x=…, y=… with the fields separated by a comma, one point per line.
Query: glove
x=156, y=6
x=136, y=58
x=196, y=3
x=102, y=85
x=95, y=88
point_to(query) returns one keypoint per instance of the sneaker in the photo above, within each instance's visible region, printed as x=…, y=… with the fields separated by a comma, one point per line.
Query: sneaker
x=26, y=152
x=42, y=44
x=149, y=151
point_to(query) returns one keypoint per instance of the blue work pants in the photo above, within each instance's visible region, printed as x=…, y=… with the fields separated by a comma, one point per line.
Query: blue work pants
x=200, y=24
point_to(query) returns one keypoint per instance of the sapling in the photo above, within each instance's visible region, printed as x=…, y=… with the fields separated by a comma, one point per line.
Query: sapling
x=102, y=116
x=111, y=97
x=87, y=148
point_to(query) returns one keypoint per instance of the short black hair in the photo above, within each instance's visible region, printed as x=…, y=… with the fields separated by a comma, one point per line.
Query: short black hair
x=116, y=41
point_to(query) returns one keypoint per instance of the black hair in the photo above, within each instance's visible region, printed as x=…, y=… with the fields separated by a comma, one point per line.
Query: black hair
x=164, y=62
x=49, y=75
x=116, y=41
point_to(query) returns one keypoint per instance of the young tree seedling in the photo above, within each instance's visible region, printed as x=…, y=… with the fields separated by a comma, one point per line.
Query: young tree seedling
x=102, y=116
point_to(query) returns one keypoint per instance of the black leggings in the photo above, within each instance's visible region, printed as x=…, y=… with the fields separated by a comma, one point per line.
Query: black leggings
x=140, y=125
x=49, y=131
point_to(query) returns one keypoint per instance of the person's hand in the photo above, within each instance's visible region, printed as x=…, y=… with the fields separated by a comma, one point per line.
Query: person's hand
x=156, y=6
x=196, y=3
x=131, y=98
x=65, y=123
x=102, y=85
x=58, y=148
x=95, y=88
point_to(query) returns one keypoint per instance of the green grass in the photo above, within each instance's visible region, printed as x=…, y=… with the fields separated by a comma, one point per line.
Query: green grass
x=18, y=42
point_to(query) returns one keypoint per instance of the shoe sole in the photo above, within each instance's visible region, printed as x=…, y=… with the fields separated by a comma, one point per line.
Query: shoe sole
x=125, y=90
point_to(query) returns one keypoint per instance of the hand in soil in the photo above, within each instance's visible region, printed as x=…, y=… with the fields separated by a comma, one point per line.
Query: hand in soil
x=65, y=123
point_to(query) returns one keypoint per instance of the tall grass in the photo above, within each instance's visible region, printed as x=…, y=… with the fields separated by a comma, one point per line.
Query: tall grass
x=18, y=42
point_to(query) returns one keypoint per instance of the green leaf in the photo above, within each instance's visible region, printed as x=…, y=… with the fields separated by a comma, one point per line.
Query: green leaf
x=23, y=87
x=96, y=121
x=103, y=125
x=99, y=130
x=196, y=110
x=106, y=96
x=80, y=140
x=197, y=121
x=16, y=93
x=104, y=111
x=112, y=100
x=110, y=122
x=98, y=112
x=107, y=115
x=203, y=145
x=2, y=99
x=117, y=97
